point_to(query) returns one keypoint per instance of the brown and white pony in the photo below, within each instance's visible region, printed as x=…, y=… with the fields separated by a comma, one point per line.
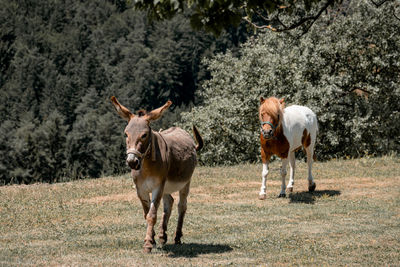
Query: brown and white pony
x=162, y=163
x=283, y=131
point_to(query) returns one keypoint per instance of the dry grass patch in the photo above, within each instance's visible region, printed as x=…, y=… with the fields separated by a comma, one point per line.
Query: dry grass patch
x=351, y=219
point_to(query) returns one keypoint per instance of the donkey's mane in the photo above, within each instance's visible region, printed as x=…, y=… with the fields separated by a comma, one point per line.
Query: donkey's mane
x=141, y=112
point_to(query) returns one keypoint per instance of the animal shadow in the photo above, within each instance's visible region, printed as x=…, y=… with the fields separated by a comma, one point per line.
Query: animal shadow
x=310, y=197
x=192, y=250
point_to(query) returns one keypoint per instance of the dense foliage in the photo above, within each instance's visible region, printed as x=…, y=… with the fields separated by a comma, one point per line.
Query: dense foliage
x=61, y=60
x=216, y=15
x=347, y=69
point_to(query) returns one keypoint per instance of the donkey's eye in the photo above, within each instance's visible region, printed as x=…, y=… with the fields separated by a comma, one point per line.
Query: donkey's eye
x=144, y=136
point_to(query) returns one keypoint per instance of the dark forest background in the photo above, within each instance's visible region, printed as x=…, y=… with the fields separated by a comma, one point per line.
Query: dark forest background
x=61, y=60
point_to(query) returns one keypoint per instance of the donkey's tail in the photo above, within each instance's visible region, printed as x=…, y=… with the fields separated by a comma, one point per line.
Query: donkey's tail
x=198, y=138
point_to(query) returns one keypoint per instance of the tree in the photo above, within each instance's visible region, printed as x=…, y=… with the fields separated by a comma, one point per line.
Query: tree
x=216, y=15
x=50, y=138
x=57, y=56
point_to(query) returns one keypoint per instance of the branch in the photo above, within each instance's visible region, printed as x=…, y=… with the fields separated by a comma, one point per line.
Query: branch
x=295, y=25
x=379, y=4
x=394, y=12
x=259, y=27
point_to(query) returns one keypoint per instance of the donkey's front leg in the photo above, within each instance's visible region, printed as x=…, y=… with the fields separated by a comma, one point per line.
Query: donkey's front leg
x=151, y=217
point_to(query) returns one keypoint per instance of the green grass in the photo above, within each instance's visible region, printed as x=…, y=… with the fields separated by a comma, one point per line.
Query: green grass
x=353, y=218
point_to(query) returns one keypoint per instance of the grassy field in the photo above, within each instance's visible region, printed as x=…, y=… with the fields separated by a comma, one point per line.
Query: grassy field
x=352, y=219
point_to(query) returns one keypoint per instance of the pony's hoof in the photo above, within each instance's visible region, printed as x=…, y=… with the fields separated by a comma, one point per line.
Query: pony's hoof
x=282, y=195
x=289, y=189
x=312, y=187
x=178, y=242
x=262, y=196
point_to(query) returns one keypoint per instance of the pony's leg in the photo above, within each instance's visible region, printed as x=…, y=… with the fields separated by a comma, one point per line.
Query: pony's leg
x=292, y=164
x=265, y=157
x=262, y=195
x=310, y=154
x=168, y=201
x=182, y=206
x=283, y=175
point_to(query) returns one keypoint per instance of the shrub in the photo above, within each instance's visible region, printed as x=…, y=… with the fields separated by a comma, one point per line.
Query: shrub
x=346, y=69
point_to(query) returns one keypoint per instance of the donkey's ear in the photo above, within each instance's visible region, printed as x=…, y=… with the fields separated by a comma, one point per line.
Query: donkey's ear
x=121, y=110
x=262, y=99
x=157, y=113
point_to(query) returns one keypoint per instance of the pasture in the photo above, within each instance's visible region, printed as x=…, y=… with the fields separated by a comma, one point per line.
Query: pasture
x=353, y=218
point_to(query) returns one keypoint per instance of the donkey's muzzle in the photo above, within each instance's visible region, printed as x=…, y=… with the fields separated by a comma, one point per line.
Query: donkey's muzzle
x=133, y=161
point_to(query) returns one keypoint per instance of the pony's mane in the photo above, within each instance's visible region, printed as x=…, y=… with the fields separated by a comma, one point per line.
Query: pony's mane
x=272, y=107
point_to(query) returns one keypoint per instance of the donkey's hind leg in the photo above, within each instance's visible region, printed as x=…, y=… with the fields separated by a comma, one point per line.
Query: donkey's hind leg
x=168, y=201
x=182, y=205
x=310, y=154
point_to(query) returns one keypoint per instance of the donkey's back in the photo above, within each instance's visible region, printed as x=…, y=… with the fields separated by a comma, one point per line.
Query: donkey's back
x=181, y=151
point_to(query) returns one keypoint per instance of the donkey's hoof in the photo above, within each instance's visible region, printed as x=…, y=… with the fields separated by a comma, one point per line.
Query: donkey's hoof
x=282, y=195
x=289, y=189
x=312, y=187
x=147, y=248
x=149, y=245
x=262, y=196
x=163, y=239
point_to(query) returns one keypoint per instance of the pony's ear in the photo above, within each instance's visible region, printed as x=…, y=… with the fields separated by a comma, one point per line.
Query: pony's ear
x=121, y=110
x=157, y=113
x=282, y=102
x=262, y=99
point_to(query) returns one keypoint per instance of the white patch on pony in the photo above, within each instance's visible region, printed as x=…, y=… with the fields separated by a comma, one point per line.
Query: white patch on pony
x=295, y=120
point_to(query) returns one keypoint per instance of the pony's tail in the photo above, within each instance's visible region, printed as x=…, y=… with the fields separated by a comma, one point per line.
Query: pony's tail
x=314, y=154
x=198, y=138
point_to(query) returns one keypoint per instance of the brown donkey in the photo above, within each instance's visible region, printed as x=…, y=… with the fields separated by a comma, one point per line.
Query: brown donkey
x=162, y=163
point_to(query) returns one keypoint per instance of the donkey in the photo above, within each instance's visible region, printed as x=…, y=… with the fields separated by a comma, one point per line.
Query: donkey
x=283, y=131
x=162, y=163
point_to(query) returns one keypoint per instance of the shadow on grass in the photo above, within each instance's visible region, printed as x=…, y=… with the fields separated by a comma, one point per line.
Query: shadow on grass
x=310, y=197
x=192, y=250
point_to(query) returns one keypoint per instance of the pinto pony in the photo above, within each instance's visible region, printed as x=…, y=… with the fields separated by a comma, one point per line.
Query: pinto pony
x=283, y=131
x=162, y=163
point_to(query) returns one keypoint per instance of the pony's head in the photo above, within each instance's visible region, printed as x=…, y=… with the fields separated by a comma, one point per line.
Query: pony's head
x=271, y=114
